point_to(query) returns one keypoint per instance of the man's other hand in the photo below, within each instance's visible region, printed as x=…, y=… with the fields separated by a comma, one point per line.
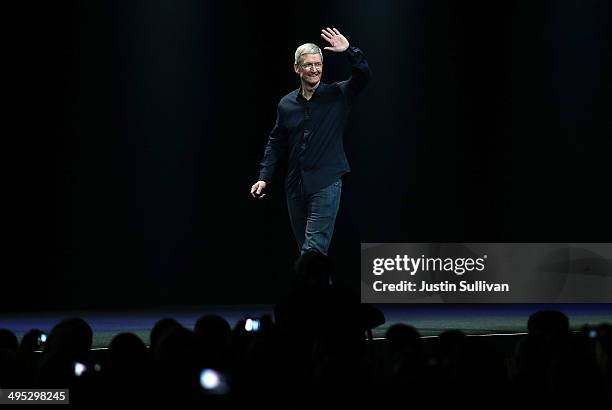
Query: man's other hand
x=257, y=189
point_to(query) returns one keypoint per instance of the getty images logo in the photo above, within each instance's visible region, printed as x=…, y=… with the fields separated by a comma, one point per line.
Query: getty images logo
x=404, y=263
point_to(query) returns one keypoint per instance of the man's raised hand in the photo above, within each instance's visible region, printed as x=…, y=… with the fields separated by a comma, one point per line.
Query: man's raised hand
x=337, y=41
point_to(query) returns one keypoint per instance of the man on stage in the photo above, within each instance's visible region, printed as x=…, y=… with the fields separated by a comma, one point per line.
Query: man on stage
x=310, y=125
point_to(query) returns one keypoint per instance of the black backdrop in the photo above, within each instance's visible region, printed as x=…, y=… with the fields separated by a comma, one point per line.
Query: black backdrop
x=135, y=128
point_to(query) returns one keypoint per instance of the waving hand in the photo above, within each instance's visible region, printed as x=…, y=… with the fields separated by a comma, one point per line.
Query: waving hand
x=336, y=40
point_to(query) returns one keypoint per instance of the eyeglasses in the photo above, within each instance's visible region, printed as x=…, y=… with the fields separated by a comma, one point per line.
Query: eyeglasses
x=309, y=65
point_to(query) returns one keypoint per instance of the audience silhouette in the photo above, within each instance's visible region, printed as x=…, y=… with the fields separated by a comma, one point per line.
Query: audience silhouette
x=314, y=348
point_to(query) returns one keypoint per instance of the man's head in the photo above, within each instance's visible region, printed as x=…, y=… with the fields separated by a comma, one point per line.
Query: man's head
x=308, y=63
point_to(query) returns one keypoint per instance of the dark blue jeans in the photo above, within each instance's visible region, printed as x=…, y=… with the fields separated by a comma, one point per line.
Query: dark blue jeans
x=313, y=217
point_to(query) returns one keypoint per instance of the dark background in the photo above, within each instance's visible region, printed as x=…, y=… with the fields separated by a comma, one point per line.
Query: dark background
x=135, y=129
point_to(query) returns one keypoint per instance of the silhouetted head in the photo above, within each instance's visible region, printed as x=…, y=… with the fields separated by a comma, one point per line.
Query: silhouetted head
x=447, y=348
x=8, y=340
x=71, y=336
x=161, y=328
x=549, y=323
x=33, y=340
x=177, y=353
x=213, y=330
x=403, y=338
x=126, y=348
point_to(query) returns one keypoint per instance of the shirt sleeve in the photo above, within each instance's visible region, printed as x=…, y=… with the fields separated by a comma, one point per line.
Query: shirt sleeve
x=360, y=73
x=275, y=149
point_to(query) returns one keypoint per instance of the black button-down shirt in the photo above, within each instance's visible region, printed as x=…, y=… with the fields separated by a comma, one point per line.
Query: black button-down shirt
x=312, y=131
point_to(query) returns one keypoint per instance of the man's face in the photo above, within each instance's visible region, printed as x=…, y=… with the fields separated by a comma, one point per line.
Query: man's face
x=310, y=69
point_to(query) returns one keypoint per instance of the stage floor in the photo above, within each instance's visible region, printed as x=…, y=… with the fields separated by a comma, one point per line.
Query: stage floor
x=429, y=320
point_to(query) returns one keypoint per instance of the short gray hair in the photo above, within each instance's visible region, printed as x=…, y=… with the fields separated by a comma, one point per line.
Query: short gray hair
x=308, y=48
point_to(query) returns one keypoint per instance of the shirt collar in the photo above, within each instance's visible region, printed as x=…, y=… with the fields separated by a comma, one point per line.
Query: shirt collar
x=317, y=92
